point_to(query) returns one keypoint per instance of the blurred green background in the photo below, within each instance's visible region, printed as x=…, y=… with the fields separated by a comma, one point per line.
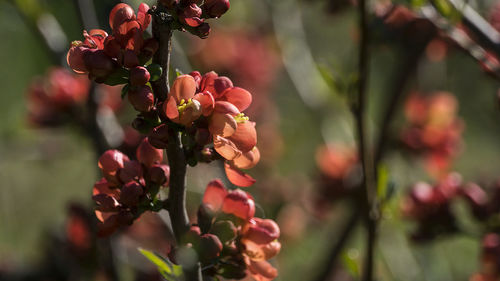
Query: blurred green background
x=42, y=169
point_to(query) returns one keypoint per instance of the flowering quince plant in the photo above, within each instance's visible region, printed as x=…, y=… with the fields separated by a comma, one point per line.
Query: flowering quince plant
x=199, y=119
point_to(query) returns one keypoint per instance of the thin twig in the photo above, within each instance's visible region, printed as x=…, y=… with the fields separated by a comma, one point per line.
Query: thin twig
x=339, y=245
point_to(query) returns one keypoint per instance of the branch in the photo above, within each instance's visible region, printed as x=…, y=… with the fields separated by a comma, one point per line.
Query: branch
x=403, y=73
x=368, y=170
x=339, y=245
x=175, y=151
x=163, y=33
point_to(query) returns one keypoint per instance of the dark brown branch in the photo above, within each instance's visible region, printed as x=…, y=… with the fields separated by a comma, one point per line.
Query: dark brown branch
x=163, y=33
x=175, y=151
x=364, y=154
x=339, y=245
x=177, y=192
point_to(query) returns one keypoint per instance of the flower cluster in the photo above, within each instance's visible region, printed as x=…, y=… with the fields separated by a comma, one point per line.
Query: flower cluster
x=54, y=95
x=128, y=187
x=337, y=165
x=190, y=15
x=434, y=130
x=210, y=108
x=231, y=242
x=490, y=259
x=430, y=206
x=108, y=58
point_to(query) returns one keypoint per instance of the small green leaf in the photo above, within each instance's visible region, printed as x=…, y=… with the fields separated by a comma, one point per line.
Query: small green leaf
x=169, y=271
x=125, y=90
x=178, y=72
x=349, y=259
x=382, y=182
x=155, y=71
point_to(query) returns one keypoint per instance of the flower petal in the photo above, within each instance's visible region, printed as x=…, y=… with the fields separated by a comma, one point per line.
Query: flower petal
x=223, y=125
x=245, y=136
x=262, y=271
x=240, y=97
x=184, y=87
x=207, y=102
x=238, y=203
x=215, y=194
x=248, y=159
x=237, y=177
x=226, y=148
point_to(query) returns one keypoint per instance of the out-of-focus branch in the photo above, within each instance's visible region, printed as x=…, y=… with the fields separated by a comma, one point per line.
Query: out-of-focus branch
x=370, y=216
x=339, y=245
x=397, y=89
x=479, y=40
x=39, y=27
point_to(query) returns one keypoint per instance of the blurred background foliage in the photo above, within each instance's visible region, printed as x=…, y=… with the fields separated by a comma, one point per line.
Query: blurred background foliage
x=41, y=170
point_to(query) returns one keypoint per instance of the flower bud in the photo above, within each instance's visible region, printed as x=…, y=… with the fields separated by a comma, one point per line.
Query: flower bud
x=98, y=63
x=261, y=231
x=75, y=60
x=147, y=154
x=105, y=202
x=210, y=247
x=130, y=59
x=239, y=204
x=119, y=14
x=215, y=8
x=159, y=136
x=203, y=30
x=141, y=125
x=225, y=230
x=197, y=77
x=131, y=193
x=205, y=215
x=159, y=174
x=141, y=98
x=112, y=48
x=139, y=76
x=112, y=160
x=191, y=15
x=202, y=137
x=131, y=171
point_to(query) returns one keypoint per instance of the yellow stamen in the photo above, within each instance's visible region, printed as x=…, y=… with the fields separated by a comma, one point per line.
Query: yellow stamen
x=241, y=118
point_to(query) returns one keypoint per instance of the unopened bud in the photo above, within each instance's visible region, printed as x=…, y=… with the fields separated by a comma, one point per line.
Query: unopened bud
x=225, y=230
x=141, y=98
x=139, y=76
x=215, y=8
x=98, y=63
x=159, y=174
x=159, y=137
x=147, y=154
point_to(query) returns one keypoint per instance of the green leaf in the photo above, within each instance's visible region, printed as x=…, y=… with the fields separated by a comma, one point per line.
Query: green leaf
x=125, y=90
x=155, y=71
x=169, y=271
x=350, y=262
x=178, y=72
x=382, y=182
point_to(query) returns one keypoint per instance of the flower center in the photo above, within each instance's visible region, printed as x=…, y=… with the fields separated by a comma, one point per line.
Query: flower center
x=241, y=118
